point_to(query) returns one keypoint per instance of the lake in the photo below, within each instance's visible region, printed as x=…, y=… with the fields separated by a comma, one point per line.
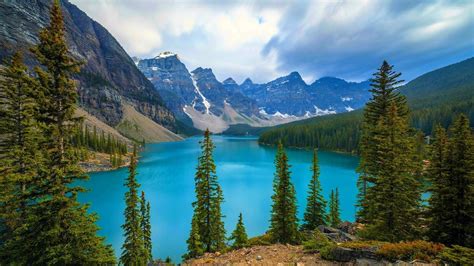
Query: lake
x=245, y=172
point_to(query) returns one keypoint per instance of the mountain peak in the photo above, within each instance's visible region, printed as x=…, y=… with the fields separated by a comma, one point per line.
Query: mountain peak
x=229, y=81
x=247, y=81
x=166, y=54
x=295, y=75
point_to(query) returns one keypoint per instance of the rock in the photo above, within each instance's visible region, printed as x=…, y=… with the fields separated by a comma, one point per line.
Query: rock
x=336, y=234
x=259, y=257
x=346, y=254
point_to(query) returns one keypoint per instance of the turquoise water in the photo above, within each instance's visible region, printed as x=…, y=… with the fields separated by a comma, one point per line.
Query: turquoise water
x=245, y=172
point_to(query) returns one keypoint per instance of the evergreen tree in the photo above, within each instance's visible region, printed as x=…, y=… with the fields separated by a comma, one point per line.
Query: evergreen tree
x=334, y=210
x=451, y=172
x=195, y=246
x=437, y=173
x=384, y=94
x=207, y=210
x=59, y=230
x=133, y=248
x=20, y=156
x=283, y=223
x=394, y=198
x=315, y=213
x=146, y=226
x=239, y=235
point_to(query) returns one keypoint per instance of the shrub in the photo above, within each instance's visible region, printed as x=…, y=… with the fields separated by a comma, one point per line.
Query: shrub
x=318, y=242
x=362, y=244
x=263, y=240
x=418, y=249
x=457, y=255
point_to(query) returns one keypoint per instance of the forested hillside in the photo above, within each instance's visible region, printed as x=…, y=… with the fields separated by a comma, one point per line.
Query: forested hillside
x=435, y=97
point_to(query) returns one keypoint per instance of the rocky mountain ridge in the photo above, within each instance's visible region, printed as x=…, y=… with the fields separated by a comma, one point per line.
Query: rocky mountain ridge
x=108, y=77
x=199, y=99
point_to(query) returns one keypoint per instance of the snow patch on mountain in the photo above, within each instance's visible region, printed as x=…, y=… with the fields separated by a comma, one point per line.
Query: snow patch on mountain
x=204, y=100
x=320, y=112
x=165, y=55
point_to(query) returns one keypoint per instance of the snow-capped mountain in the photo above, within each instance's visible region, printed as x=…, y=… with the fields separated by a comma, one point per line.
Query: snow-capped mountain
x=198, y=98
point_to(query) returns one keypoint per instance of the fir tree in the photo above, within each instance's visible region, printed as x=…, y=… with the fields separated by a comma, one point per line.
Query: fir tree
x=239, y=235
x=20, y=157
x=133, y=248
x=315, y=213
x=437, y=173
x=384, y=94
x=59, y=229
x=394, y=198
x=453, y=186
x=334, y=209
x=283, y=223
x=146, y=226
x=207, y=210
x=195, y=246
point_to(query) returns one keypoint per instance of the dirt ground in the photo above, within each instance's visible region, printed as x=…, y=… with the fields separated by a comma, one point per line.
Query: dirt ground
x=262, y=255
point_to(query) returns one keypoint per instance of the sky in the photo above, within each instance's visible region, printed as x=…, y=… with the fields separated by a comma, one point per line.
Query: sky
x=264, y=40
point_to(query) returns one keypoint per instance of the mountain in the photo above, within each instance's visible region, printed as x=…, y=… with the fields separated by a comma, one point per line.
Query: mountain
x=435, y=97
x=291, y=96
x=108, y=79
x=197, y=98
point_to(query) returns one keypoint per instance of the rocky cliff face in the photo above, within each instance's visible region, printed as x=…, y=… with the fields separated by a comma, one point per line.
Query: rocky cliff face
x=108, y=77
x=197, y=97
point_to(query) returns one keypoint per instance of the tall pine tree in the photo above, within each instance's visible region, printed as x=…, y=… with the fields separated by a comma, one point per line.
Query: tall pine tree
x=438, y=174
x=21, y=159
x=207, y=207
x=384, y=93
x=394, y=198
x=283, y=223
x=239, y=235
x=334, y=209
x=451, y=172
x=133, y=248
x=315, y=213
x=146, y=226
x=59, y=229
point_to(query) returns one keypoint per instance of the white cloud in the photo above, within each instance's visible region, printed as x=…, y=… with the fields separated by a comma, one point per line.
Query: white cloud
x=227, y=37
x=266, y=39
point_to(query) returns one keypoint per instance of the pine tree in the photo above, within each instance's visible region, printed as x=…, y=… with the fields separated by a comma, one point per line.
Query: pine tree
x=133, y=248
x=283, y=223
x=59, y=229
x=315, y=213
x=195, y=246
x=437, y=173
x=384, y=94
x=394, y=199
x=21, y=159
x=146, y=226
x=207, y=210
x=457, y=188
x=334, y=210
x=239, y=235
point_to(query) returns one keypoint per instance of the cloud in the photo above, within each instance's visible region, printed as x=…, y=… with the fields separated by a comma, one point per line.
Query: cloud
x=350, y=39
x=266, y=39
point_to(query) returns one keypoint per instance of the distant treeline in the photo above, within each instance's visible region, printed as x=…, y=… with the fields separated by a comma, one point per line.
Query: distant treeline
x=436, y=97
x=84, y=138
